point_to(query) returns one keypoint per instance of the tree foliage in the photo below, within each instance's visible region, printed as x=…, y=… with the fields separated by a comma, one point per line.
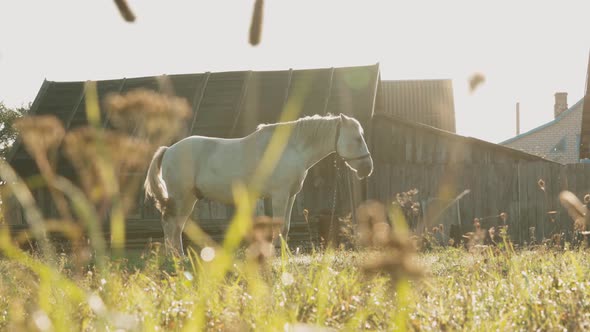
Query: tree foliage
x=7, y=132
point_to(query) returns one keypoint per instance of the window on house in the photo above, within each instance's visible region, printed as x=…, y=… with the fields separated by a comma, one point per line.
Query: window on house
x=560, y=146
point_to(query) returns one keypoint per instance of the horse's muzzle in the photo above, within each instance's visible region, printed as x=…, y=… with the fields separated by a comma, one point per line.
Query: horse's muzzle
x=365, y=168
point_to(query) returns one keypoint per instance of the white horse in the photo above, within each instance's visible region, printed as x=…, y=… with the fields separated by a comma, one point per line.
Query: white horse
x=197, y=167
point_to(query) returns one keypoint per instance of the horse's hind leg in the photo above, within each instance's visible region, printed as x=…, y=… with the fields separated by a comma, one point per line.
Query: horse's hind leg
x=177, y=213
x=279, y=208
x=287, y=220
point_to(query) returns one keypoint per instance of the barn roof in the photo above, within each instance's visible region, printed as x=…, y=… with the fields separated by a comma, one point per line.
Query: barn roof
x=480, y=147
x=429, y=102
x=227, y=104
x=232, y=104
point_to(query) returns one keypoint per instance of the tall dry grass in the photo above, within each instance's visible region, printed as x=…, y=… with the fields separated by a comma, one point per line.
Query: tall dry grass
x=238, y=284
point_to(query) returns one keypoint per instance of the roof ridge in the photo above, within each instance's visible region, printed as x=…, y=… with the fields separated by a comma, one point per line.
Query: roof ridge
x=419, y=80
x=374, y=65
x=459, y=136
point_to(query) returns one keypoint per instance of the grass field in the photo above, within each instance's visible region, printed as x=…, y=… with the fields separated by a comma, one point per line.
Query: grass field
x=543, y=289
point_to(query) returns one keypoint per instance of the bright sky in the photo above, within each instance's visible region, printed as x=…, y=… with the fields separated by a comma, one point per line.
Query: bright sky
x=528, y=50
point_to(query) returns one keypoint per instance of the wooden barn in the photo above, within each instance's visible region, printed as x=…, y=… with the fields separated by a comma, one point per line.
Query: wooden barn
x=442, y=166
x=409, y=126
x=226, y=104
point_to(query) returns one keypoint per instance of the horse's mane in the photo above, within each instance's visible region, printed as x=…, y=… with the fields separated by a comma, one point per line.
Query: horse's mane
x=307, y=130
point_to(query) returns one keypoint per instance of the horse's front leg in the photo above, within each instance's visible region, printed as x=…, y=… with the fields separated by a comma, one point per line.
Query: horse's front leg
x=279, y=209
x=287, y=222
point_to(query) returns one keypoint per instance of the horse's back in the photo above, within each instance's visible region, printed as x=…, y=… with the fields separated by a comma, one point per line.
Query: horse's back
x=208, y=164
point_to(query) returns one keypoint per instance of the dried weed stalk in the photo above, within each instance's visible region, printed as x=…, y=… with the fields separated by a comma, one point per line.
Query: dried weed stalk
x=577, y=210
x=475, y=81
x=306, y=218
x=148, y=114
x=125, y=11
x=110, y=164
x=256, y=24
x=410, y=207
x=541, y=184
x=394, y=251
x=104, y=159
x=374, y=229
x=260, y=240
x=476, y=237
x=42, y=135
x=532, y=236
x=397, y=259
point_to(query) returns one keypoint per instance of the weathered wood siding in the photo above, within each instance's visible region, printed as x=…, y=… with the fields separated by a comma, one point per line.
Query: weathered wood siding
x=441, y=166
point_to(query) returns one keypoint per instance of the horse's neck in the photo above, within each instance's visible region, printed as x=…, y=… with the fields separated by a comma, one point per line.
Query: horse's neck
x=322, y=147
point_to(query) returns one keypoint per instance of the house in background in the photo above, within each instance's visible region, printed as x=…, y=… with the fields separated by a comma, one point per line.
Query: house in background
x=558, y=140
x=566, y=139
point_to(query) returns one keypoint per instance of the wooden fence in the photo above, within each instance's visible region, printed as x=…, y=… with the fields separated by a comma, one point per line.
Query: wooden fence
x=494, y=188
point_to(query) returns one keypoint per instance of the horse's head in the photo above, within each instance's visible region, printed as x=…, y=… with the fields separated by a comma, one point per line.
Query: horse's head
x=351, y=146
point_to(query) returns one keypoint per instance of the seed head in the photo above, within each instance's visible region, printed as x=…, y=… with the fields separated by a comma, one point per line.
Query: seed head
x=541, y=184
x=475, y=81
x=40, y=134
x=145, y=113
x=125, y=10
x=95, y=152
x=504, y=217
x=373, y=225
x=580, y=225
x=576, y=209
x=395, y=253
x=306, y=215
x=264, y=230
x=398, y=264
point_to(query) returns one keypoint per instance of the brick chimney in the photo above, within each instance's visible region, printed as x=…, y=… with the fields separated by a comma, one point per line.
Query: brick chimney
x=560, y=103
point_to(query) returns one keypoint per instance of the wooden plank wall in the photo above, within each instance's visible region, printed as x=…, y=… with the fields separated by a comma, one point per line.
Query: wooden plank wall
x=493, y=189
x=441, y=166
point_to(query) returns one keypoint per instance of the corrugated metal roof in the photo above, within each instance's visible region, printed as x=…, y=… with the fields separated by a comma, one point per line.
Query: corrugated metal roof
x=228, y=104
x=429, y=102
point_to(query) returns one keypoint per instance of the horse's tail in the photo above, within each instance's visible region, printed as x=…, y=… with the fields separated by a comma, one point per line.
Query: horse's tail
x=154, y=185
